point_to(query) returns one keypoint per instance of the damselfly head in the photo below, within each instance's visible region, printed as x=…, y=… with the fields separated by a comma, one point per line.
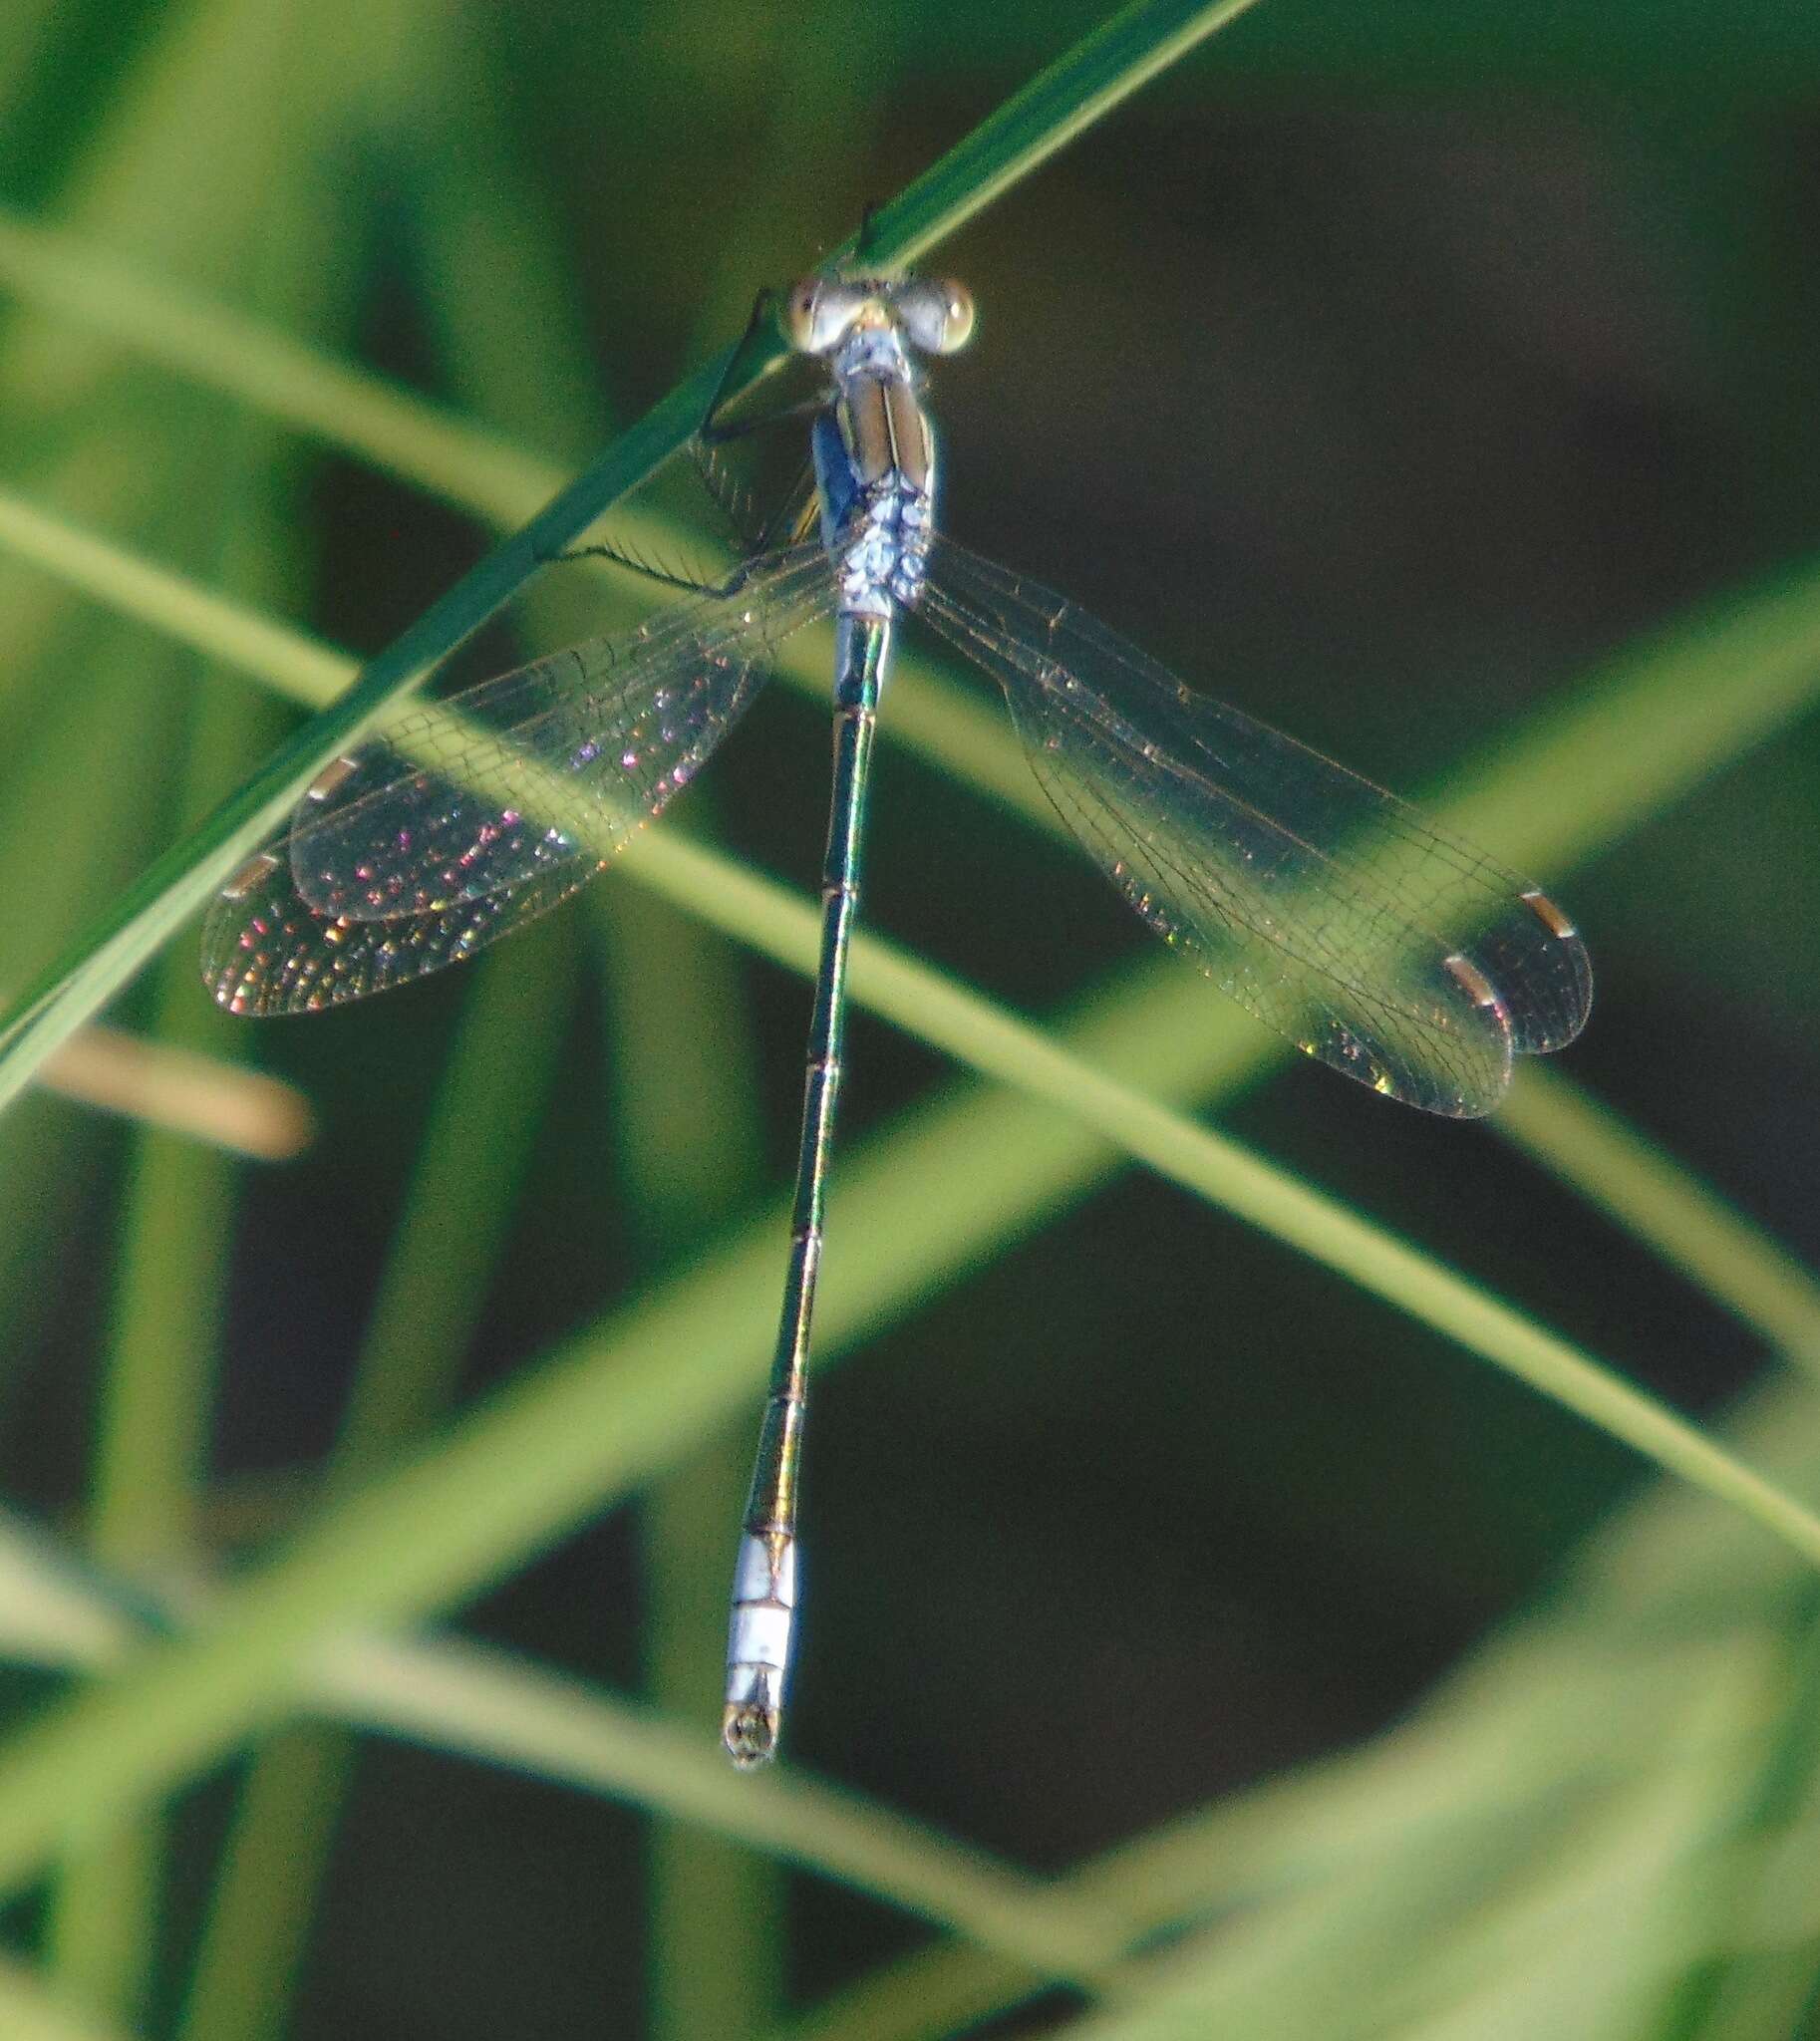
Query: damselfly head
x=935, y=315
x=935, y=312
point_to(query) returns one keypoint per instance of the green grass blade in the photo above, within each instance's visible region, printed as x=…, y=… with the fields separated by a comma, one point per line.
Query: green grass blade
x=536, y=1481
x=253, y=1938
x=182, y=881
x=170, y=1272
x=149, y=1454
x=397, y=432
x=1660, y=716
x=1693, y=1229
x=974, y=1031
x=499, y=1708
x=209, y=79
x=553, y=1447
x=456, y=1214
x=502, y=1705
x=1528, y=1709
x=1692, y=751
x=31, y=2011
x=1110, y=65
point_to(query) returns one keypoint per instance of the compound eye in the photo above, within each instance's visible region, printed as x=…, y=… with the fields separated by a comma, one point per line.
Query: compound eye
x=937, y=314
x=797, y=316
x=818, y=314
x=956, y=303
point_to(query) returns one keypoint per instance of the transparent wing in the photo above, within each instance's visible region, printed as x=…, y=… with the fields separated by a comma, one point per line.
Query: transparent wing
x=557, y=764
x=752, y=453
x=266, y=949
x=1340, y=916
x=469, y=817
x=768, y=496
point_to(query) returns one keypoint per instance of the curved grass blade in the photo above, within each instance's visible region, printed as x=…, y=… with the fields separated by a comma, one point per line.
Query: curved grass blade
x=1658, y=768
x=474, y=816
x=503, y=1708
x=1057, y=104
x=557, y=1446
x=1386, y=946
x=189, y=874
x=1643, y=1190
x=1172, y=1018
x=1531, y=1714
x=31, y=2010
x=1082, y=87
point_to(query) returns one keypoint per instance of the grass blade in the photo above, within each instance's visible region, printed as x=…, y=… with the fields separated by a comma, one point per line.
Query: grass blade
x=974, y=1031
x=505, y=1709
x=1068, y=94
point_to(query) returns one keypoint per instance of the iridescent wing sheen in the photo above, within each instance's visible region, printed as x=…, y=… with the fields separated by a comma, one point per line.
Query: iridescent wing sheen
x=468, y=817
x=266, y=949
x=1336, y=913
x=558, y=763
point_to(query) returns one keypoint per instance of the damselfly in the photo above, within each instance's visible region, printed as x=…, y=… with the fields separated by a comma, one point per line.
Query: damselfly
x=1374, y=940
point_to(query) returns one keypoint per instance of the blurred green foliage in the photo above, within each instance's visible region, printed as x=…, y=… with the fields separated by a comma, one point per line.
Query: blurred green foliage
x=1436, y=383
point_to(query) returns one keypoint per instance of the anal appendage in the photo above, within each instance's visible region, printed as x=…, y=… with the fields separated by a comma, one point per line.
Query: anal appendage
x=758, y=1646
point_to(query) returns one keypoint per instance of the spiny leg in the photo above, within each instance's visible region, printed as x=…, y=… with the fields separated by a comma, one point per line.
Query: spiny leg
x=786, y=526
